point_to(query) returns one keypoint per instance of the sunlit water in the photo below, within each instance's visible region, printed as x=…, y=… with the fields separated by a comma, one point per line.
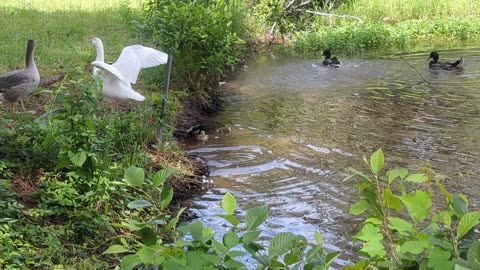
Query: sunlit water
x=297, y=126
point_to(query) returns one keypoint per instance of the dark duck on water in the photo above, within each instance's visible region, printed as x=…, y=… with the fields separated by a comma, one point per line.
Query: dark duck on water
x=434, y=64
x=330, y=61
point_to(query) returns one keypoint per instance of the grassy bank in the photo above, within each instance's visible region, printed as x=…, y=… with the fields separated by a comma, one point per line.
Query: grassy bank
x=62, y=163
x=62, y=30
x=370, y=25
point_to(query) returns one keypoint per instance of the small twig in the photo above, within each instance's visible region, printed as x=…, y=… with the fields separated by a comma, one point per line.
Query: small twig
x=334, y=15
x=425, y=80
x=271, y=29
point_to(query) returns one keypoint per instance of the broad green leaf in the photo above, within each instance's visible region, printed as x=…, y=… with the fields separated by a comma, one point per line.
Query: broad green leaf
x=473, y=255
x=390, y=201
x=231, y=239
x=134, y=176
x=148, y=236
x=373, y=220
x=150, y=255
x=460, y=267
x=394, y=173
x=281, y=243
x=173, y=222
x=77, y=159
x=418, y=204
x=219, y=246
x=232, y=264
x=291, y=258
x=129, y=262
x=415, y=246
x=329, y=259
x=229, y=203
x=139, y=204
x=460, y=204
x=359, y=207
x=161, y=176
x=446, y=219
x=439, y=259
x=114, y=249
x=402, y=226
x=318, y=238
x=212, y=258
x=166, y=196
x=376, y=161
x=467, y=222
x=360, y=174
x=374, y=249
x=250, y=236
x=255, y=217
x=370, y=233
x=230, y=218
x=417, y=178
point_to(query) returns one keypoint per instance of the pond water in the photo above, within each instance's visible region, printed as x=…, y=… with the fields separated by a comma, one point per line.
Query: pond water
x=297, y=126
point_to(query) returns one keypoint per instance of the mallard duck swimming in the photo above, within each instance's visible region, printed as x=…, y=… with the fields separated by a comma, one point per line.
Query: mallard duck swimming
x=202, y=137
x=434, y=64
x=119, y=76
x=330, y=61
x=16, y=85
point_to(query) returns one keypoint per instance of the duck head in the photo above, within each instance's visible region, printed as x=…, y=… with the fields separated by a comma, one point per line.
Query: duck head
x=327, y=53
x=434, y=55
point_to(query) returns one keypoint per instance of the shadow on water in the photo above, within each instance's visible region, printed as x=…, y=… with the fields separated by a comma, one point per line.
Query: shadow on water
x=297, y=126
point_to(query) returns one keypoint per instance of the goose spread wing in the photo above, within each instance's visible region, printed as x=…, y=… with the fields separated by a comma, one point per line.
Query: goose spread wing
x=133, y=58
x=109, y=70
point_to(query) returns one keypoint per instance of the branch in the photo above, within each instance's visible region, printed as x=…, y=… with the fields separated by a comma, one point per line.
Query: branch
x=425, y=80
x=52, y=79
x=334, y=15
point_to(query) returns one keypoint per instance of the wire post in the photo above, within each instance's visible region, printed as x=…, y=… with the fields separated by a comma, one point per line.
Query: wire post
x=165, y=97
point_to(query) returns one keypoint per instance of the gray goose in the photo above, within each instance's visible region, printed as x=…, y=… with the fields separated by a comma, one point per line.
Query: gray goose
x=17, y=84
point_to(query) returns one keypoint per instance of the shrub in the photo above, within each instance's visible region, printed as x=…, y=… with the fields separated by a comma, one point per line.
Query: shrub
x=199, y=34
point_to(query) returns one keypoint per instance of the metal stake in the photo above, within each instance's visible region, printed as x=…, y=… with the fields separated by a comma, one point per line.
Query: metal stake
x=165, y=97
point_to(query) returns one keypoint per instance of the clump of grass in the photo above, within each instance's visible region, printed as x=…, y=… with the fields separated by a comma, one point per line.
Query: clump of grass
x=62, y=30
x=396, y=10
x=355, y=38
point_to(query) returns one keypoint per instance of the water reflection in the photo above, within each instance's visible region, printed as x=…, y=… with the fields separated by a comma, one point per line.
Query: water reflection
x=297, y=126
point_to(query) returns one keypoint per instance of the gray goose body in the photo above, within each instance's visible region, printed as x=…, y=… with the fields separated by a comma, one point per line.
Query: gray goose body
x=17, y=84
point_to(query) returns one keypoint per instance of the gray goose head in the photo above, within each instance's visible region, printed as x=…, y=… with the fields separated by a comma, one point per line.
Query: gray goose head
x=17, y=84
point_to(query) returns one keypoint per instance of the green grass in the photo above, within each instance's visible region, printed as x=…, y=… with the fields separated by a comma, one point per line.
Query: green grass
x=396, y=10
x=391, y=25
x=62, y=30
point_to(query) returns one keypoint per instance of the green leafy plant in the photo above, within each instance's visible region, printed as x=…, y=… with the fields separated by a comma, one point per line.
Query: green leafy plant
x=404, y=227
x=199, y=34
x=199, y=247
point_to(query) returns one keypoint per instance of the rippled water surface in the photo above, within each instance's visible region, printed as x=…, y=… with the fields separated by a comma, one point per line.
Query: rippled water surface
x=297, y=126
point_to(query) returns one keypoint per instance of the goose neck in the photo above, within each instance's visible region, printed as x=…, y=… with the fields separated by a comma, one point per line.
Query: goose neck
x=30, y=62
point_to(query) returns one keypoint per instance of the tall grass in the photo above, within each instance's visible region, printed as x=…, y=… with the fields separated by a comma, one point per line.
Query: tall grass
x=391, y=25
x=396, y=10
x=62, y=30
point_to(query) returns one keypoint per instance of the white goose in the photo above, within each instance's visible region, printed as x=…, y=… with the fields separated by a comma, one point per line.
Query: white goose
x=16, y=85
x=118, y=77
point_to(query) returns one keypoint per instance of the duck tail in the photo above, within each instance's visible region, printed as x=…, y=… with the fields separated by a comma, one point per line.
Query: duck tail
x=458, y=63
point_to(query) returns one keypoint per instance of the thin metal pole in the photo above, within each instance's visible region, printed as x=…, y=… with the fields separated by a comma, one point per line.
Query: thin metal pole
x=165, y=97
